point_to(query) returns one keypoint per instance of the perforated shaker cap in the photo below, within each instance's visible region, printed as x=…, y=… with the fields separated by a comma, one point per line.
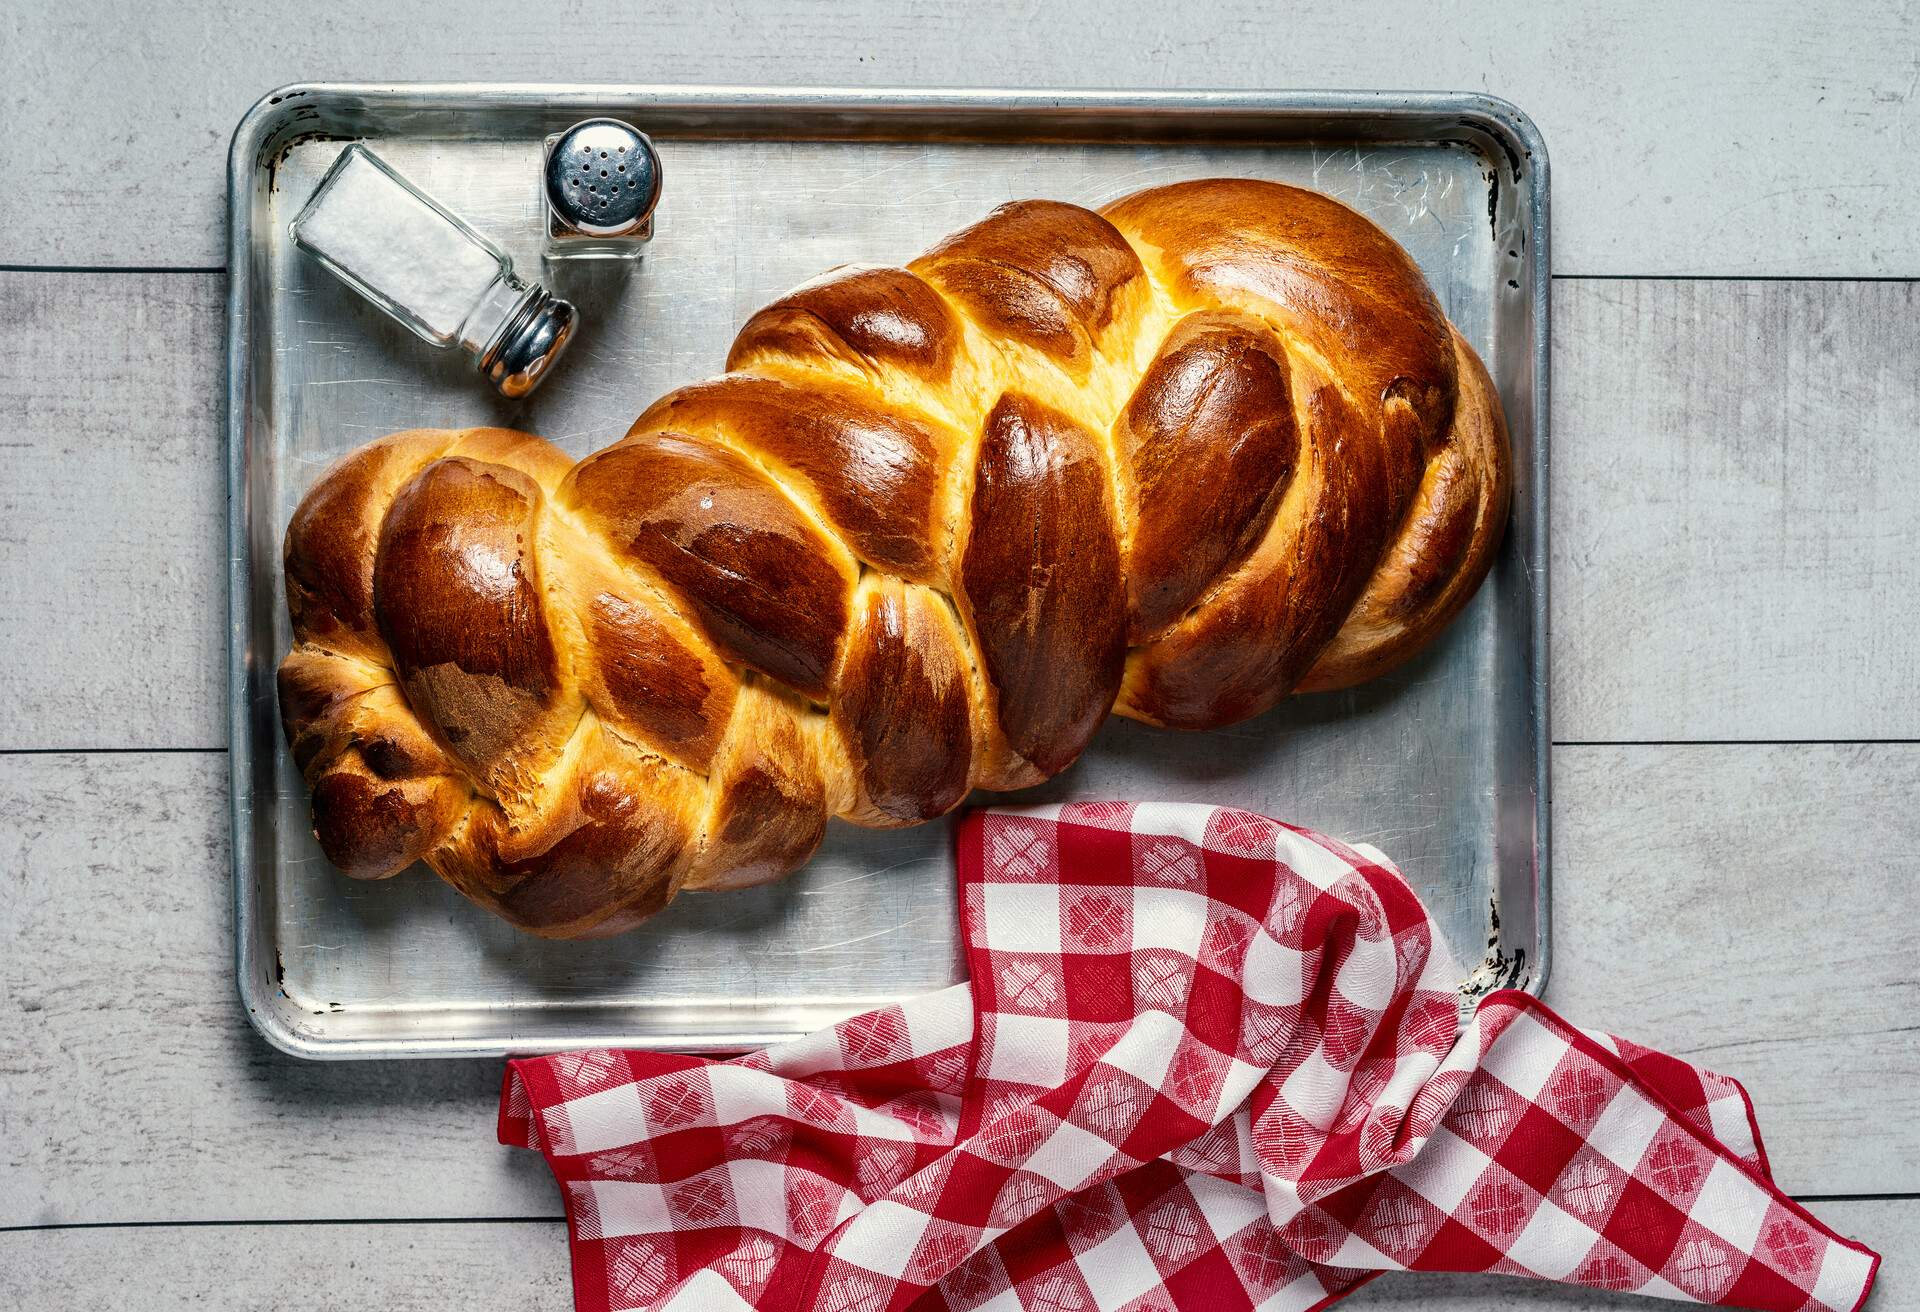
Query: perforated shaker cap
x=603, y=178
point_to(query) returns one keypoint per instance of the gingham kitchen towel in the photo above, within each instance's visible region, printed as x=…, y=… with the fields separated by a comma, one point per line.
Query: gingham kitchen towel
x=1206, y=1060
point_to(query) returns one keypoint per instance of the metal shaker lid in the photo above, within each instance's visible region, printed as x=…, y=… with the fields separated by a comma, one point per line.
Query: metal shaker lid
x=519, y=359
x=603, y=178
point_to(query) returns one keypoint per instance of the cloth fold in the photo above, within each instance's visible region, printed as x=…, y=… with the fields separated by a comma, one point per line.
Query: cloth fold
x=1204, y=1059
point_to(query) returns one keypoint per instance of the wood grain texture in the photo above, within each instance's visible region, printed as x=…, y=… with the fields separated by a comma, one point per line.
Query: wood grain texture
x=1740, y=906
x=1751, y=909
x=419, y=1267
x=1733, y=476
x=1765, y=138
x=413, y=1267
x=1734, y=534
x=112, y=510
x=132, y=1086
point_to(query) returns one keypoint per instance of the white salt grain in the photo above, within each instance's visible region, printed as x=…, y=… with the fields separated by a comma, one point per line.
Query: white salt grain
x=426, y=270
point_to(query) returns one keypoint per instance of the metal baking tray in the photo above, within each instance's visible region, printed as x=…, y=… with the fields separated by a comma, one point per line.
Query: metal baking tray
x=1443, y=765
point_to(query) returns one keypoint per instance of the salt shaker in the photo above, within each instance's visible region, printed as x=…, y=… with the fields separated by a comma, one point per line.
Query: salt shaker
x=600, y=184
x=407, y=254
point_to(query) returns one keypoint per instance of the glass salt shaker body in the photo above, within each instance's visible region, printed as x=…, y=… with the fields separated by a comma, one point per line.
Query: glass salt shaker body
x=404, y=252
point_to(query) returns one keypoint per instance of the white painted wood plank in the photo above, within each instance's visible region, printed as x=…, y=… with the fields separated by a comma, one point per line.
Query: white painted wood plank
x=132, y=1086
x=1771, y=137
x=421, y=1267
x=1735, y=476
x=1734, y=483
x=413, y=1267
x=1748, y=906
x=112, y=510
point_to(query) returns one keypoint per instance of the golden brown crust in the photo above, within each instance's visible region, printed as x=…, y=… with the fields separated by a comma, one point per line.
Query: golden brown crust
x=1178, y=459
x=1261, y=629
x=458, y=596
x=373, y=828
x=901, y=706
x=331, y=539
x=1040, y=582
x=1211, y=440
x=609, y=850
x=650, y=681
x=871, y=470
x=1445, y=547
x=864, y=316
x=769, y=802
x=1335, y=283
x=1037, y=272
x=766, y=585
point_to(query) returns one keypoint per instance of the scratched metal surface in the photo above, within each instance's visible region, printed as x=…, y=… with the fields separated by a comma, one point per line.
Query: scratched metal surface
x=1438, y=765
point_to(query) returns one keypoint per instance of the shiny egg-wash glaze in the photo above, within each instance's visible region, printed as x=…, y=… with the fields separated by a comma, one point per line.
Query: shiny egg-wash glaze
x=1178, y=459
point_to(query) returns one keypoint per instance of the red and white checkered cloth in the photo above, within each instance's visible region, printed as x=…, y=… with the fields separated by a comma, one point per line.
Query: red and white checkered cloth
x=1206, y=1060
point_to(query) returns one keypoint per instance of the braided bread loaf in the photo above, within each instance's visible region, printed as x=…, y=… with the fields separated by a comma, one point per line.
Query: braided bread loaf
x=1178, y=458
